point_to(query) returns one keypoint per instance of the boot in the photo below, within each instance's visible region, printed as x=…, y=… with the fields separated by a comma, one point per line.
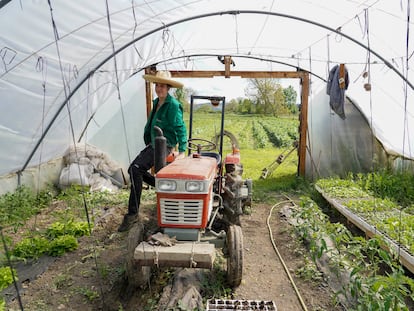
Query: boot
x=127, y=222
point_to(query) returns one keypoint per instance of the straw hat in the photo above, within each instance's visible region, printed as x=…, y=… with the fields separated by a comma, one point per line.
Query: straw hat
x=163, y=77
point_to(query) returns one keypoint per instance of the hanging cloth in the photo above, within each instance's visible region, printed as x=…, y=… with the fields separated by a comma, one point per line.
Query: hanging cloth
x=338, y=82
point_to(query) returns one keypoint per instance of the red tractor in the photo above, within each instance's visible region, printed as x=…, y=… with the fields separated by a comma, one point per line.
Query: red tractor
x=199, y=202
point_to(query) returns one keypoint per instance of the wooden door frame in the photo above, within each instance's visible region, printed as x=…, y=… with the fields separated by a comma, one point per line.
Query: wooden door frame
x=304, y=81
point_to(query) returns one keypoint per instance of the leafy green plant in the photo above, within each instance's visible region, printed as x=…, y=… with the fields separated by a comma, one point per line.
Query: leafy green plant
x=259, y=135
x=214, y=284
x=341, y=188
x=58, y=238
x=17, y=207
x=32, y=247
x=363, y=206
x=377, y=280
x=376, y=198
x=62, y=244
x=397, y=186
x=77, y=229
x=79, y=199
x=89, y=293
x=309, y=271
x=62, y=280
x=382, y=292
x=6, y=277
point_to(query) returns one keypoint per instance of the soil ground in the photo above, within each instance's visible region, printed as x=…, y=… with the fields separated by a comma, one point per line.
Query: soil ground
x=93, y=276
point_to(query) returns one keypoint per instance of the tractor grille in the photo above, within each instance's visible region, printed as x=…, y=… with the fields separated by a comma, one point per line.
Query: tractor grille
x=181, y=212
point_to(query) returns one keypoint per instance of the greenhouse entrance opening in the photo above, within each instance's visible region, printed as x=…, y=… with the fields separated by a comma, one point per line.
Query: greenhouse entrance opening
x=303, y=77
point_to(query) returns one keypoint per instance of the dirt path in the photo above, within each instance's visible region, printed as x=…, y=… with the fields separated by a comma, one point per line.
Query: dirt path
x=72, y=282
x=264, y=277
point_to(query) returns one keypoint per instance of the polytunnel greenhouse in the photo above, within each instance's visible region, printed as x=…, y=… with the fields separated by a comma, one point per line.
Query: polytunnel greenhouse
x=71, y=87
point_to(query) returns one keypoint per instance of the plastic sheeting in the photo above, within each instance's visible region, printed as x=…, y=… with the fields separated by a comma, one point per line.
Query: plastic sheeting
x=61, y=61
x=338, y=146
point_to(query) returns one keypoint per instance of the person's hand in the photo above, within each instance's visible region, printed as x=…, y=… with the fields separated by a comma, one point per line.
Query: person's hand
x=181, y=155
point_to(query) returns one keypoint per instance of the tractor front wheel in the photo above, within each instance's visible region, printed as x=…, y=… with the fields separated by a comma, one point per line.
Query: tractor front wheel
x=235, y=255
x=137, y=275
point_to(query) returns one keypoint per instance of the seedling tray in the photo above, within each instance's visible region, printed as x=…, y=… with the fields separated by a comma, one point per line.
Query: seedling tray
x=248, y=305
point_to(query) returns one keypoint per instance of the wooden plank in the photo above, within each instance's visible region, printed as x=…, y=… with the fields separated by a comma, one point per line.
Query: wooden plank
x=406, y=259
x=182, y=254
x=242, y=74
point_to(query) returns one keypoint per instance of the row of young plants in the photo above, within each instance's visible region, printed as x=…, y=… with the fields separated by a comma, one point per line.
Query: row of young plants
x=66, y=226
x=396, y=186
x=281, y=132
x=260, y=136
x=383, y=199
x=251, y=131
x=374, y=278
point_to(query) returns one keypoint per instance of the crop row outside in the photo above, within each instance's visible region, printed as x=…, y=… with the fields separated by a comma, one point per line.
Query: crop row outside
x=251, y=131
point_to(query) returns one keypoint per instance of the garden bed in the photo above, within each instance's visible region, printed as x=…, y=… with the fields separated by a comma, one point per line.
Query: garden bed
x=406, y=258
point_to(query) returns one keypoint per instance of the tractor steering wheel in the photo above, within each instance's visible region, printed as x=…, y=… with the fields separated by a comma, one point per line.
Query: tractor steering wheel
x=199, y=144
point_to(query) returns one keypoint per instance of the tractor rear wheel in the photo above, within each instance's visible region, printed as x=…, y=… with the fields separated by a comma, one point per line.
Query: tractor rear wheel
x=137, y=276
x=235, y=255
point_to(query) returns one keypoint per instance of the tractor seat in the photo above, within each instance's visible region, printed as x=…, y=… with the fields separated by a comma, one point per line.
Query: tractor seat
x=212, y=155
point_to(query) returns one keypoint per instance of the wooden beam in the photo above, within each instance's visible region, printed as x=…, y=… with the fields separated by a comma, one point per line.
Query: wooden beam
x=303, y=128
x=242, y=74
x=181, y=254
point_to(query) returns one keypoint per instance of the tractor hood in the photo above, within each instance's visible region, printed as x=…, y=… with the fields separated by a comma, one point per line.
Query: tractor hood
x=190, y=168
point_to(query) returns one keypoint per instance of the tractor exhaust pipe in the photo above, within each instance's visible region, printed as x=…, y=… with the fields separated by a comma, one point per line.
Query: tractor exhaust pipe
x=160, y=150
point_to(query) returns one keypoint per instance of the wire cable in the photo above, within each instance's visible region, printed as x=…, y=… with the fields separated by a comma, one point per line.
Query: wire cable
x=405, y=132
x=341, y=26
x=371, y=118
x=117, y=79
x=280, y=256
x=262, y=29
x=6, y=251
x=66, y=88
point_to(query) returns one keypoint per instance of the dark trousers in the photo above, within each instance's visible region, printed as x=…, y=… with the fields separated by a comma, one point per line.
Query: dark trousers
x=138, y=172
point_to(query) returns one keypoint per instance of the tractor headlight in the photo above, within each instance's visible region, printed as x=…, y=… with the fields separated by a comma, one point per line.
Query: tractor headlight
x=167, y=185
x=194, y=186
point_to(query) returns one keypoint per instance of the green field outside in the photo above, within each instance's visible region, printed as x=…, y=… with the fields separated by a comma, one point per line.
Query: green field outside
x=261, y=140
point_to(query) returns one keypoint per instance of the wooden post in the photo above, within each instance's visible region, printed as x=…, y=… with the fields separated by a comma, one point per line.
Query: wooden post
x=303, y=130
x=148, y=91
x=227, y=63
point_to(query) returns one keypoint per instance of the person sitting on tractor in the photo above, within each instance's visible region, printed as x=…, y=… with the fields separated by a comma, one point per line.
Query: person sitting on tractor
x=167, y=114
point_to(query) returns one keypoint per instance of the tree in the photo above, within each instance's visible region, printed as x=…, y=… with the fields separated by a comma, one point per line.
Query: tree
x=267, y=95
x=182, y=96
x=245, y=106
x=232, y=106
x=290, y=98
